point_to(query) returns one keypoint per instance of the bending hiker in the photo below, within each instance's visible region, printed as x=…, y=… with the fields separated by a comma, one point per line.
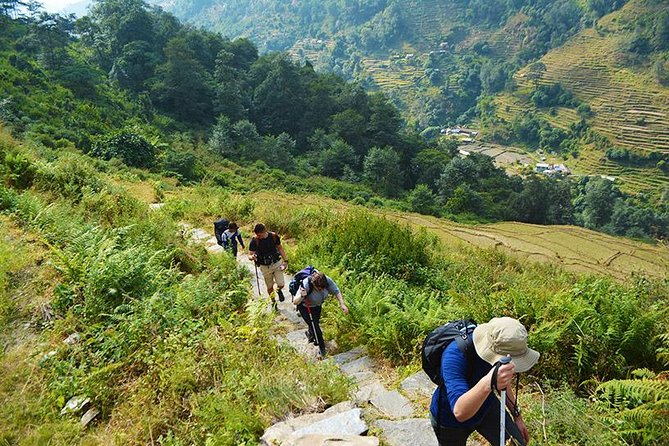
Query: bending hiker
x=465, y=402
x=231, y=237
x=220, y=226
x=266, y=250
x=309, y=300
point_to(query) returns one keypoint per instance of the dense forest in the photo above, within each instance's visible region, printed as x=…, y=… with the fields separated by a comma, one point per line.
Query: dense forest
x=129, y=81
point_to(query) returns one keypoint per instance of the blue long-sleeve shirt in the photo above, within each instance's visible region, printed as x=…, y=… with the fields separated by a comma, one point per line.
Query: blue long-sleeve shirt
x=454, y=371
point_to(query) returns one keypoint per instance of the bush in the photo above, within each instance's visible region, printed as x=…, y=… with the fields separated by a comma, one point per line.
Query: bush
x=360, y=242
x=19, y=170
x=128, y=145
x=68, y=176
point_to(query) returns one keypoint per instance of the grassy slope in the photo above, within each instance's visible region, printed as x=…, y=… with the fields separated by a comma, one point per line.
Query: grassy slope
x=630, y=107
x=576, y=249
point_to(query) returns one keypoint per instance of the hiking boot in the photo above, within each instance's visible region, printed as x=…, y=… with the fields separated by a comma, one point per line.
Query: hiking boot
x=310, y=337
x=281, y=296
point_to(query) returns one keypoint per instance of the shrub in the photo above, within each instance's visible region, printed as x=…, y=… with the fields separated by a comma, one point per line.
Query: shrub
x=128, y=145
x=8, y=199
x=361, y=242
x=68, y=176
x=19, y=170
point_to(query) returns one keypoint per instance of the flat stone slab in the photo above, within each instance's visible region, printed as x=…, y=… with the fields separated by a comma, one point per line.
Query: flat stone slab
x=393, y=404
x=412, y=431
x=369, y=391
x=298, y=341
x=343, y=358
x=344, y=423
x=214, y=249
x=418, y=384
x=363, y=364
x=333, y=440
x=288, y=311
x=364, y=378
x=280, y=432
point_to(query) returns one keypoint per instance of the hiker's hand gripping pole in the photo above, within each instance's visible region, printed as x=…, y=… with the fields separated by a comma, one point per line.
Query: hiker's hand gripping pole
x=502, y=406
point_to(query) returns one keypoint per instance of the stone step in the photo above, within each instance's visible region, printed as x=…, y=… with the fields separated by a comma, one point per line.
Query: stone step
x=346, y=357
x=418, y=385
x=298, y=340
x=333, y=440
x=413, y=431
x=362, y=364
x=393, y=404
x=343, y=419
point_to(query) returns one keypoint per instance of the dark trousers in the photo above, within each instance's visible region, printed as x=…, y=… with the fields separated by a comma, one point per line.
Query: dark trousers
x=316, y=316
x=488, y=428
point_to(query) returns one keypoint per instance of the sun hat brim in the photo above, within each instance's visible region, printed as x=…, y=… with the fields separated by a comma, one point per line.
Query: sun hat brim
x=523, y=362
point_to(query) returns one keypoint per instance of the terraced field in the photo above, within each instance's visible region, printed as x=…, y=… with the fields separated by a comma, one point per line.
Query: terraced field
x=393, y=75
x=630, y=109
x=576, y=249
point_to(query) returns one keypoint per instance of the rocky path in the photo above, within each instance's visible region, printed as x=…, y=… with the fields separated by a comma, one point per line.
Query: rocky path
x=398, y=416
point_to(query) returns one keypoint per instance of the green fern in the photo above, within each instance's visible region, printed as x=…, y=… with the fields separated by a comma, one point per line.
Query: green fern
x=642, y=404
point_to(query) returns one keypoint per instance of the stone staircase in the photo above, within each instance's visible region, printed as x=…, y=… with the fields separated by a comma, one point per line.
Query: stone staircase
x=390, y=412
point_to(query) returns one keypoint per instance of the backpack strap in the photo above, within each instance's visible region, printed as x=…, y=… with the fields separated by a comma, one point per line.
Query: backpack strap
x=466, y=346
x=311, y=287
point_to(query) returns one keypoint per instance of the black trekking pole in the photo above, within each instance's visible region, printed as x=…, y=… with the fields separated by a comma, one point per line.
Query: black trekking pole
x=311, y=319
x=502, y=406
x=257, y=279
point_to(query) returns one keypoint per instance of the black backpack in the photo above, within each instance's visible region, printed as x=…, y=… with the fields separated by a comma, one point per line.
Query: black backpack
x=436, y=342
x=296, y=281
x=220, y=226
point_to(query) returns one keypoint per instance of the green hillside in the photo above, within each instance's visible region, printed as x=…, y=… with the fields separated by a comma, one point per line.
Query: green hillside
x=630, y=106
x=440, y=62
x=120, y=130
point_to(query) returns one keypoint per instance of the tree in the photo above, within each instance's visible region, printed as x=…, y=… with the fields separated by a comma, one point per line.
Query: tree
x=465, y=200
x=542, y=201
x=493, y=76
x=428, y=165
x=134, y=65
x=381, y=170
x=599, y=201
x=183, y=87
x=127, y=145
x=660, y=38
x=423, y=200
x=278, y=102
x=351, y=126
x=334, y=160
x=276, y=151
x=117, y=23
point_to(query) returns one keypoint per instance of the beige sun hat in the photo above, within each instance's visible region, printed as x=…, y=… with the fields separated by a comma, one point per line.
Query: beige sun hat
x=504, y=336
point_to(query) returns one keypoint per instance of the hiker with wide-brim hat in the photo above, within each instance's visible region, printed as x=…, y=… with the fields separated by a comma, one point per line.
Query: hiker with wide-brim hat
x=466, y=400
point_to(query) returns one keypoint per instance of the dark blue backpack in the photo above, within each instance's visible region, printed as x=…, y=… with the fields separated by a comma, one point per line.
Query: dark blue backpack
x=436, y=342
x=219, y=228
x=299, y=276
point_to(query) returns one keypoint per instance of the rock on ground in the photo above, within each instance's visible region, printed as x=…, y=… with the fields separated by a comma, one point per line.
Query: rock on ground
x=412, y=431
x=418, y=384
x=283, y=430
